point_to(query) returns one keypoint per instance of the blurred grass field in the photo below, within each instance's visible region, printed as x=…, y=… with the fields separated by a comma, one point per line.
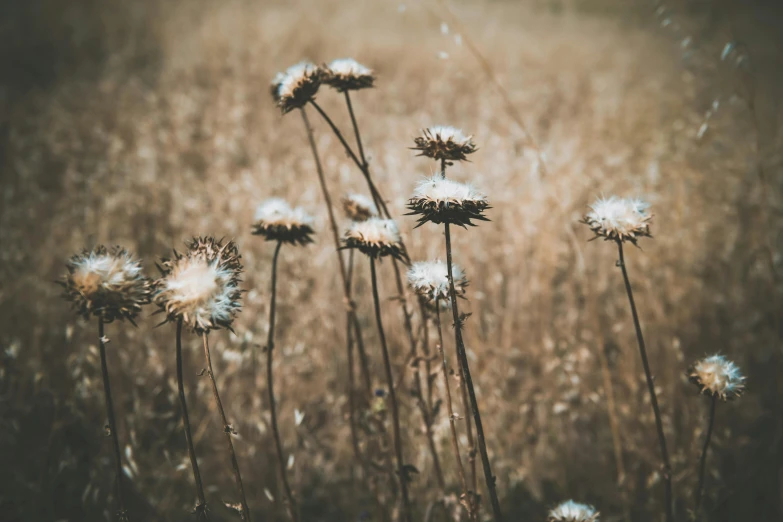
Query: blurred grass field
x=142, y=124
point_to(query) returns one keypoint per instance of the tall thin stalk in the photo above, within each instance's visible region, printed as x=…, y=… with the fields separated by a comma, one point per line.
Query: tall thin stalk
x=703, y=459
x=667, y=468
x=201, y=507
x=468, y=383
x=123, y=514
x=293, y=510
x=244, y=510
x=450, y=409
x=401, y=472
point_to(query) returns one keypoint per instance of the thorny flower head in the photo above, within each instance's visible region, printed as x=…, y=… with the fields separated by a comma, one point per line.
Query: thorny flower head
x=444, y=143
x=430, y=279
x=201, y=286
x=296, y=86
x=359, y=208
x=571, y=511
x=619, y=219
x=442, y=200
x=277, y=221
x=106, y=283
x=376, y=238
x=346, y=74
x=718, y=377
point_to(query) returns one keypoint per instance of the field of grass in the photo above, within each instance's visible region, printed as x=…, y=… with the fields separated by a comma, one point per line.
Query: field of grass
x=144, y=124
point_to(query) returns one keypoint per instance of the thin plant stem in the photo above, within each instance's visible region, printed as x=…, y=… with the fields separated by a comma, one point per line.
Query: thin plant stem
x=352, y=379
x=270, y=348
x=468, y=383
x=348, y=301
x=472, y=450
x=667, y=468
x=392, y=398
x=703, y=459
x=425, y=346
x=228, y=430
x=355, y=128
x=450, y=410
x=201, y=507
x=123, y=514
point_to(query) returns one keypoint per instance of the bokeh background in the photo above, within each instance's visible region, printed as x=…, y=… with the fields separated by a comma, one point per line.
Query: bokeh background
x=143, y=123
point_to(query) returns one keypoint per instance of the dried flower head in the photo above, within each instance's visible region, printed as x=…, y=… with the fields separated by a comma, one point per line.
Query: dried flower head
x=359, y=208
x=442, y=200
x=718, y=377
x=277, y=221
x=430, y=279
x=106, y=283
x=347, y=74
x=296, y=86
x=619, y=219
x=444, y=143
x=571, y=511
x=375, y=237
x=201, y=287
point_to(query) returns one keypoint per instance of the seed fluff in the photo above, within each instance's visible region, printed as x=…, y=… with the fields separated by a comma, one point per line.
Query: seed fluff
x=277, y=221
x=441, y=200
x=201, y=286
x=359, y=208
x=430, y=279
x=447, y=143
x=346, y=74
x=619, y=219
x=376, y=238
x=718, y=377
x=571, y=511
x=296, y=86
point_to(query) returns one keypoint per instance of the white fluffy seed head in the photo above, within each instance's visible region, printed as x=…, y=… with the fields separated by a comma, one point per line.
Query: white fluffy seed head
x=430, y=279
x=718, y=377
x=375, y=237
x=444, y=143
x=446, y=191
x=571, y=511
x=619, y=219
x=359, y=207
x=346, y=74
x=442, y=200
x=348, y=66
x=106, y=283
x=296, y=86
x=449, y=133
x=276, y=220
x=201, y=287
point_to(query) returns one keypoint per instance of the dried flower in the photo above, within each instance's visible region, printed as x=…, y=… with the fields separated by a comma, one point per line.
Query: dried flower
x=277, y=221
x=296, y=86
x=347, y=74
x=444, y=143
x=375, y=237
x=718, y=377
x=442, y=200
x=430, y=279
x=619, y=219
x=201, y=287
x=571, y=511
x=359, y=208
x=106, y=283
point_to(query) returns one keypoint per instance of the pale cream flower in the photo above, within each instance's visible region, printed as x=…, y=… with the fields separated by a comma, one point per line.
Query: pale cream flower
x=718, y=377
x=430, y=279
x=375, y=237
x=346, y=74
x=442, y=200
x=276, y=220
x=619, y=219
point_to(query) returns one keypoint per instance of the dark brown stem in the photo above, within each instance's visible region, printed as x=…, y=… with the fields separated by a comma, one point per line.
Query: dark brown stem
x=270, y=348
x=443, y=168
x=355, y=128
x=402, y=475
x=228, y=430
x=201, y=507
x=667, y=468
x=703, y=460
x=349, y=304
x=123, y=514
x=472, y=450
x=468, y=383
x=450, y=409
x=351, y=379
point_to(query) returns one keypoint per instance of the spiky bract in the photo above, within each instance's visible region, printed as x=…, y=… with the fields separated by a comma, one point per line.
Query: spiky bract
x=718, y=377
x=359, y=208
x=201, y=286
x=296, y=86
x=444, y=143
x=276, y=220
x=441, y=200
x=376, y=238
x=106, y=283
x=619, y=219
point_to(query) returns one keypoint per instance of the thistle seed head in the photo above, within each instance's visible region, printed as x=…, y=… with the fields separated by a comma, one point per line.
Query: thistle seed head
x=277, y=221
x=106, y=283
x=430, y=279
x=444, y=143
x=571, y=511
x=619, y=219
x=296, y=86
x=347, y=74
x=201, y=287
x=442, y=200
x=718, y=377
x=376, y=238
x=359, y=208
